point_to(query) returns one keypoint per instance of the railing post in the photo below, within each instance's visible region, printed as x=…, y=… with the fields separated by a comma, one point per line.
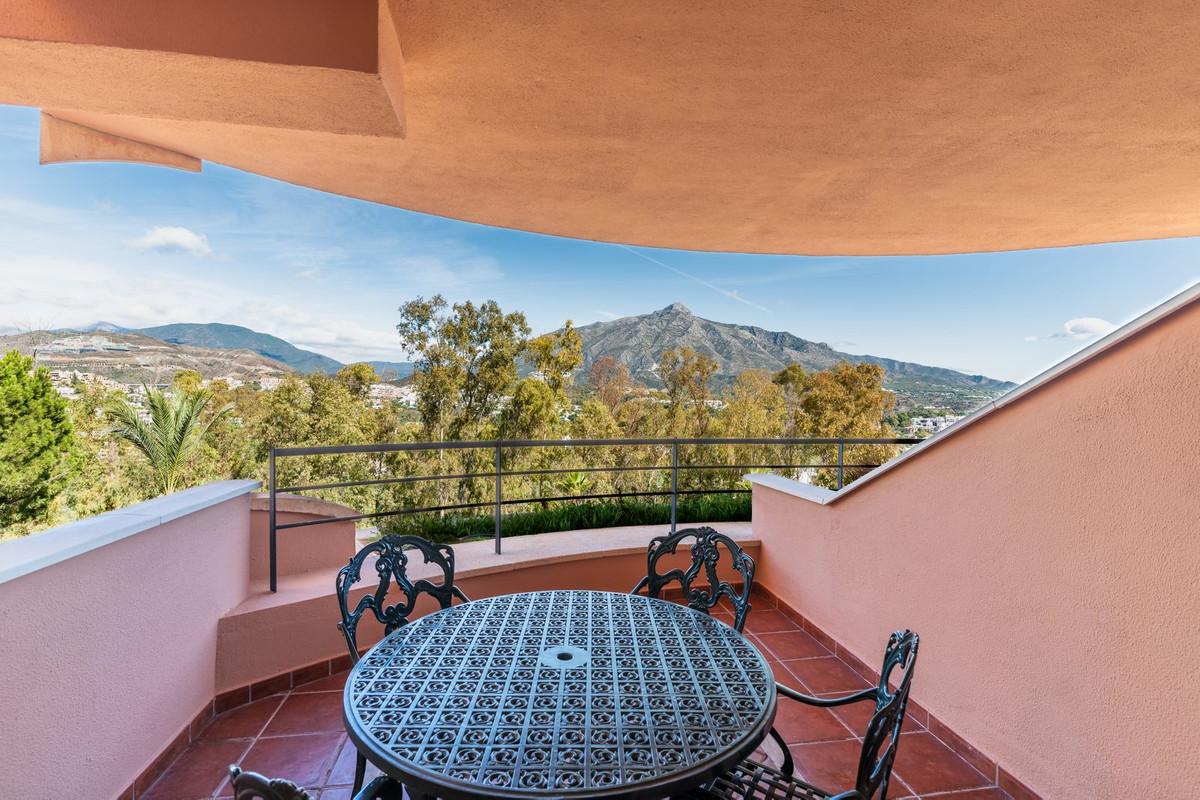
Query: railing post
x=271, y=514
x=674, y=481
x=841, y=462
x=496, y=511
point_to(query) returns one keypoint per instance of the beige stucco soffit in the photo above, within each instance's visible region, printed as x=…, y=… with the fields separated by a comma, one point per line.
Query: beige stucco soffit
x=64, y=142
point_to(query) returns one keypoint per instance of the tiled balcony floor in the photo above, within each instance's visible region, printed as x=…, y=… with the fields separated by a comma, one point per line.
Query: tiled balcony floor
x=298, y=734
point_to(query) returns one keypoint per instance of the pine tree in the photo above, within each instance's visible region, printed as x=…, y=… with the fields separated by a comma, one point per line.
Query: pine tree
x=35, y=441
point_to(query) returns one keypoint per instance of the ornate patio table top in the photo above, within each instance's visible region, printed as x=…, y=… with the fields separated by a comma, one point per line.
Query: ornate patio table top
x=559, y=694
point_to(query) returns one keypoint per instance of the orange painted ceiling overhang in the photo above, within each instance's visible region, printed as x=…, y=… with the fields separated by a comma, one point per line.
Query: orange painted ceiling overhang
x=772, y=126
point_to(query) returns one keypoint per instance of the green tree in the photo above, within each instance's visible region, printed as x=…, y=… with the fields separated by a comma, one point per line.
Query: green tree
x=316, y=410
x=357, y=378
x=230, y=450
x=846, y=401
x=186, y=380
x=36, y=441
x=171, y=437
x=594, y=420
x=532, y=413
x=610, y=379
x=108, y=474
x=465, y=361
x=556, y=356
x=753, y=407
x=685, y=375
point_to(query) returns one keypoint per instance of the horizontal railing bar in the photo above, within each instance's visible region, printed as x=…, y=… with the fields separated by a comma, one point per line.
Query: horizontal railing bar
x=603, y=496
x=518, y=501
x=528, y=443
x=566, y=471
x=382, y=481
x=559, y=471
x=356, y=517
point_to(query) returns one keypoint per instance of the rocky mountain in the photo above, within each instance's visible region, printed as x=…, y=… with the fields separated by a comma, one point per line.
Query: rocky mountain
x=133, y=358
x=234, y=337
x=219, y=336
x=639, y=341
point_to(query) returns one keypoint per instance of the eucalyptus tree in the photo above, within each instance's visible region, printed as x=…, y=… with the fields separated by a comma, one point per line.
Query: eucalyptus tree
x=465, y=361
x=685, y=375
x=611, y=381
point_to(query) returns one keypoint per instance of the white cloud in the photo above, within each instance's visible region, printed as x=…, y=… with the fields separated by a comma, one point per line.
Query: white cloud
x=308, y=274
x=1085, y=328
x=173, y=239
x=1080, y=329
x=606, y=314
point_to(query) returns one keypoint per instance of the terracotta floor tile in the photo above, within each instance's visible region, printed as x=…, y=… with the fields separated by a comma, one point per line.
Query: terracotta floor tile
x=858, y=715
x=342, y=793
x=308, y=713
x=768, y=620
x=828, y=765
x=799, y=723
x=970, y=794
x=791, y=644
x=198, y=772
x=247, y=721
x=333, y=683
x=723, y=616
x=822, y=675
x=343, y=767
x=927, y=765
x=302, y=759
x=783, y=676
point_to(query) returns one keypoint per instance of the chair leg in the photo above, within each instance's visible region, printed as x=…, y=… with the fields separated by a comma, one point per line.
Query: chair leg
x=360, y=772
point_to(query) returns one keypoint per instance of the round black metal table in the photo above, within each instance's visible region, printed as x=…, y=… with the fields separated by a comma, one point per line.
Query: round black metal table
x=559, y=694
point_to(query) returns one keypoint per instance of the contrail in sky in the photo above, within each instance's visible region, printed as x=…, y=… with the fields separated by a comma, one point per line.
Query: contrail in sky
x=732, y=295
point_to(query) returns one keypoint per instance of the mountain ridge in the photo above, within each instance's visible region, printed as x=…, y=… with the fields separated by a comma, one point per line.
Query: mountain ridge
x=638, y=341
x=130, y=357
x=223, y=336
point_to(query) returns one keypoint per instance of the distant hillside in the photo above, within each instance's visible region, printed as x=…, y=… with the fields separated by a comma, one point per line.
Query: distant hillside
x=392, y=370
x=639, y=341
x=135, y=358
x=234, y=337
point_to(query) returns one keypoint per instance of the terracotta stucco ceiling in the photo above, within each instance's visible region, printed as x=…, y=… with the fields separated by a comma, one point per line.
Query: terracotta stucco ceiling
x=784, y=127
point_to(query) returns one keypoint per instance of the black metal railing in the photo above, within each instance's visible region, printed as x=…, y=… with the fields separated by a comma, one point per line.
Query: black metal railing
x=837, y=467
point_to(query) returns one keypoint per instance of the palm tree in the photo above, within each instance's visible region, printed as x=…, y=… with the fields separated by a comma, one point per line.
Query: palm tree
x=172, y=434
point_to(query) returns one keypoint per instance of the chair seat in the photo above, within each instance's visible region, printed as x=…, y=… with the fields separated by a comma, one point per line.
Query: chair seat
x=753, y=780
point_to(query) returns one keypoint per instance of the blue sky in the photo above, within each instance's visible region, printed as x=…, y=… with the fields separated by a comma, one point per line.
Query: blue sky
x=140, y=245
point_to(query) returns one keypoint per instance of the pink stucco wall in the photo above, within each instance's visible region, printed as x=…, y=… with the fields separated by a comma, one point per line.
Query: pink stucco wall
x=109, y=654
x=323, y=547
x=1049, y=555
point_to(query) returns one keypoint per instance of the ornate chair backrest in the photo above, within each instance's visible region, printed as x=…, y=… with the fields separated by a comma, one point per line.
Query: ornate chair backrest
x=706, y=557
x=252, y=786
x=391, y=564
x=883, y=732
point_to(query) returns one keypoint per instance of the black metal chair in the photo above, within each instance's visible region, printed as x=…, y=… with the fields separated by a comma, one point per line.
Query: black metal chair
x=391, y=564
x=252, y=786
x=752, y=780
x=706, y=555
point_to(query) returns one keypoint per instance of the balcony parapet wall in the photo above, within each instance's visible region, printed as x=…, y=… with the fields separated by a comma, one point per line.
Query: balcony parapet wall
x=1047, y=554
x=108, y=628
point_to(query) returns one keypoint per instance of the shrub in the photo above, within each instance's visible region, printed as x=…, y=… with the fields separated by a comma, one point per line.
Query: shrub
x=573, y=516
